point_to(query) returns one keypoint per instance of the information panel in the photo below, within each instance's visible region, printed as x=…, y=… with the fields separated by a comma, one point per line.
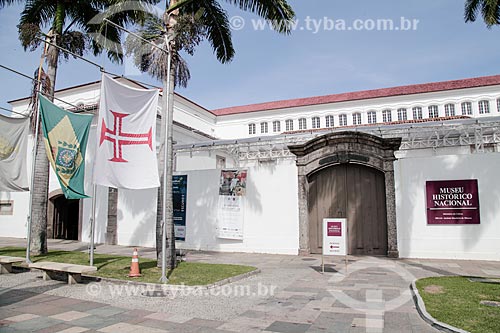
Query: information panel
x=452, y=202
x=179, y=195
x=334, y=236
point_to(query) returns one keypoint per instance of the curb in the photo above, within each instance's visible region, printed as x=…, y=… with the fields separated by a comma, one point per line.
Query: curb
x=419, y=302
x=166, y=287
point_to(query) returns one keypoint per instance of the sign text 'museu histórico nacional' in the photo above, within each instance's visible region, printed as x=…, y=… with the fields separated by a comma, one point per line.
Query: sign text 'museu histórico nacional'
x=452, y=202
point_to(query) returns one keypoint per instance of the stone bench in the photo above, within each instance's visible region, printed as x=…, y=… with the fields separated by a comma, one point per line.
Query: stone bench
x=74, y=272
x=6, y=263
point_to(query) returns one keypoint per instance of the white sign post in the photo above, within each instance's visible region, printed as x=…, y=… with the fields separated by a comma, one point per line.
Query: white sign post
x=334, y=238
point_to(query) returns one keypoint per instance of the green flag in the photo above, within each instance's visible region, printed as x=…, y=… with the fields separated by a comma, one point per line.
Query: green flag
x=66, y=136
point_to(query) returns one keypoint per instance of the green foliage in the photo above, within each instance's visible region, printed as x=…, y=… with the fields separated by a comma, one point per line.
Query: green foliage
x=118, y=267
x=188, y=23
x=71, y=25
x=489, y=10
x=459, y=303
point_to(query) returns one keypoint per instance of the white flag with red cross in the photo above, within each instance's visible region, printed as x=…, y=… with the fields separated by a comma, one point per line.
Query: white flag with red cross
x=126, y=145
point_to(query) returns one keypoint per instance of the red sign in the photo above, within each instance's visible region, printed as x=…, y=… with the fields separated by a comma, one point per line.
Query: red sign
x=334, y=229
x=452, y=202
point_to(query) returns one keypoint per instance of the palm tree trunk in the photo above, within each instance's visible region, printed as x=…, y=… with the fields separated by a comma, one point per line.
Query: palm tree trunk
x=171, y=255
x=40, y=189
x=38, y=243
x=167, y=131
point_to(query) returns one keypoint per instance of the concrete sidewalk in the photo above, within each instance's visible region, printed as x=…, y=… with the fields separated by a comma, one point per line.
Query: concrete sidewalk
x=289, y=295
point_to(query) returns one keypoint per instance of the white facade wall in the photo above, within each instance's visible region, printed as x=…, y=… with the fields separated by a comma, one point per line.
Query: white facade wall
x=270, y=213
x=416, y=239
x=236, y=126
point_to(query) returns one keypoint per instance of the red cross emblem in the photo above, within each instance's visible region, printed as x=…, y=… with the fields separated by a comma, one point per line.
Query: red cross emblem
x=119, y=138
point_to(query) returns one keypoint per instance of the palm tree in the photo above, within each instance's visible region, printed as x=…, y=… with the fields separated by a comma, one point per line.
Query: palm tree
x=489, y=9
x=185, y=24
x=69, y=29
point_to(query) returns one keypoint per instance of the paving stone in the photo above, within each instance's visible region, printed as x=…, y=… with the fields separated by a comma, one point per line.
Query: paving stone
x=205, y=323
x=119, y=327
x=253, y=314
x=85, y=306
x=42, y=309
x=287, y=327
x=96, y=322
x=74, y=329
x=494, y=272
x=56, y=328
x=165, y=325
x=70, y=315
x=106, y=311
x=36, y=324
x=22, y=317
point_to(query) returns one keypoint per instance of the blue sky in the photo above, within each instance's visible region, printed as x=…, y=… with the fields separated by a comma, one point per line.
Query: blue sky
x=311, y=61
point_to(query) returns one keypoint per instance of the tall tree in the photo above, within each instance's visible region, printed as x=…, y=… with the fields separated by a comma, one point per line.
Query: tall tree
x=488, y=9
x=185, y=24
x=69, y=28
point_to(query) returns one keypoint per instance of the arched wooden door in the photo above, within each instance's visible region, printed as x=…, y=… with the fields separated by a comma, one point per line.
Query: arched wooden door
x=354, y=192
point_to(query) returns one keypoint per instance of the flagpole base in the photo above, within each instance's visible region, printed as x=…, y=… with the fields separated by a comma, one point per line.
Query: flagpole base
x=163, y=279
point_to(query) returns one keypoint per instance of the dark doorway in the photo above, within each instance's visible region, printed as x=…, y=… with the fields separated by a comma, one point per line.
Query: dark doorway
x=65, y=218
x=355, y=192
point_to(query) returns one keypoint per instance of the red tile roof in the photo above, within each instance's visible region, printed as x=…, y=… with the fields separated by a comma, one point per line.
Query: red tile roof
x=367, y=94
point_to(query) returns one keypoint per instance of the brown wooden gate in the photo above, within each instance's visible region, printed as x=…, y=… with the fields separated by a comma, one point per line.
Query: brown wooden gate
x=354, y=192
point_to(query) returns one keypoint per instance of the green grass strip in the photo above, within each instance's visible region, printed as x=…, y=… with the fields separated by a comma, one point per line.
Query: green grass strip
x=456, y=301
x=118, y=267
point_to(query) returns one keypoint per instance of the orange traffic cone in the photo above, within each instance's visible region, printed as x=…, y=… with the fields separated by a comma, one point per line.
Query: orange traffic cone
x=135, y=271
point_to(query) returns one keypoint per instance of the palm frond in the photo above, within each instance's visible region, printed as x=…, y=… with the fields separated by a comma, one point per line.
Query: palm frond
x=278, y=12
x=214, y=20
x=39, y=12
x=30, y=36
x=4, y=3
x=153, y=60
x=489, y=10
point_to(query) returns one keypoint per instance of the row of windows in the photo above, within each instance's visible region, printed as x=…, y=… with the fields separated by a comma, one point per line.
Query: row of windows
x=402, y=114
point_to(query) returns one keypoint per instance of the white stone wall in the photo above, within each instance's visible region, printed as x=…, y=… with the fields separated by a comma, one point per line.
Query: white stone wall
x=270, y=215
x=416, y=239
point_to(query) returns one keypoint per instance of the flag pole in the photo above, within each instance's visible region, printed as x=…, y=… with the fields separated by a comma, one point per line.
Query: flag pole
x=33, y=156
x=92, y=225
x=166, y=96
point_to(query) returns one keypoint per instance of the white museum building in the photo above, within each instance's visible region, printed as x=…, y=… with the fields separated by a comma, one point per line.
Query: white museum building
x=413, y=169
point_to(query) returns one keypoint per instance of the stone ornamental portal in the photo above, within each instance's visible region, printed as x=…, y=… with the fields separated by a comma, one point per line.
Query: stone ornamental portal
x=351, y=175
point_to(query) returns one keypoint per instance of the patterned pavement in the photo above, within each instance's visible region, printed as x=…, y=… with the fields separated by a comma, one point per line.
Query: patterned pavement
x=370, y=294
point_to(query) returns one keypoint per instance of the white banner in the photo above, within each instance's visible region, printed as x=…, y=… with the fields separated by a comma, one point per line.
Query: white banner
x=126, y=152
x=13, y=149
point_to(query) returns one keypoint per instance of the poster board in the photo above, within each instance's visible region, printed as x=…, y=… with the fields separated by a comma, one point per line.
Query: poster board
x=230, y=210
x=334, y=236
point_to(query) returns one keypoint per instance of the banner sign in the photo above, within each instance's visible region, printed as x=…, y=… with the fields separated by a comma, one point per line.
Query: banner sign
x=232, y=191
x=452, y=202
x=13, y=149
x=179, y=196
x=126, y=136
x=66, y=135
x=334, y=236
